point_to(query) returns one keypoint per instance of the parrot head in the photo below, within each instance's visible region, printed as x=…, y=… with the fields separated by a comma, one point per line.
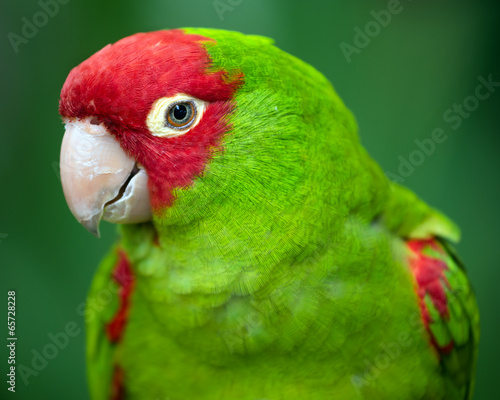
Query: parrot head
x=173, y=126
x=142, y=117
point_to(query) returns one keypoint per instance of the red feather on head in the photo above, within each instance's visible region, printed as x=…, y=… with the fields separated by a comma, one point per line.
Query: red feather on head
x=120, y=83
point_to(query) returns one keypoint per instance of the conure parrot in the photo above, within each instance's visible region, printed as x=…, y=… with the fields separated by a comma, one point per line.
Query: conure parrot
x=262, y=253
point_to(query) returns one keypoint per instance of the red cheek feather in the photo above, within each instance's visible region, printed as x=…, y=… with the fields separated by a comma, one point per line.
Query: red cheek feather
x=119, y=85
x=174, y=162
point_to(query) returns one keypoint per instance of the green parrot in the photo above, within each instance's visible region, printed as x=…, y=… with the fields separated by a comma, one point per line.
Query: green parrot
x=262, y=253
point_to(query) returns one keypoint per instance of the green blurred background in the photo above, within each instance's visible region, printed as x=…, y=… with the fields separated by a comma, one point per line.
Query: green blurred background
x=427, y=58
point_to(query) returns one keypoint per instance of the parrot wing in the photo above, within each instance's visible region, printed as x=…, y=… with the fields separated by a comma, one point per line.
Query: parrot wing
x=449, y=313
x=448, y=309
x=105, y=317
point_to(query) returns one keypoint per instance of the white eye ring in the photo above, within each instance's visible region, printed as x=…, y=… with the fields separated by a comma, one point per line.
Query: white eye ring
x=157, y=121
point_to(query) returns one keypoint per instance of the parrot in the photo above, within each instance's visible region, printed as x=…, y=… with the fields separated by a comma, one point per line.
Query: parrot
x=262, y=254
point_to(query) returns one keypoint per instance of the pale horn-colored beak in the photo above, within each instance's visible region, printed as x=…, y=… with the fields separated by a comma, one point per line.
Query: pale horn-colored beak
x=100, y=181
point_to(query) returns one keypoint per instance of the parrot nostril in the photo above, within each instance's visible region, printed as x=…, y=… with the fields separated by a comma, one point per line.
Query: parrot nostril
x=94, y=121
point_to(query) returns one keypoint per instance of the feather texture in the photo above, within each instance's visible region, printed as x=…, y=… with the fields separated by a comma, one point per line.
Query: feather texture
x=276, y=265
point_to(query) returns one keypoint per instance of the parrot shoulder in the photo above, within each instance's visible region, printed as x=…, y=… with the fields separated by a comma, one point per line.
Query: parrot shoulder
x=407, y=216
x=105, y=317
x=448, y=309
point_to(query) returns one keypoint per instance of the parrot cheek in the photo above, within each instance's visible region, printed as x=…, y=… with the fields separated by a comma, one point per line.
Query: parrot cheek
x=100, y=181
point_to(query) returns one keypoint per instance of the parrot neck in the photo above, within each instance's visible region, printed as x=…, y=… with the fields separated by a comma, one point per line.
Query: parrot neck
x=234, y=251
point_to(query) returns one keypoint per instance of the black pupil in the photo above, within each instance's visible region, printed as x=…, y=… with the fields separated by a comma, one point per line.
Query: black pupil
x=180, y=112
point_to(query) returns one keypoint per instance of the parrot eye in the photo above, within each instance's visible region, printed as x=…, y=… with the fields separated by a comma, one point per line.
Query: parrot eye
x=180, y=115
x=174, y=116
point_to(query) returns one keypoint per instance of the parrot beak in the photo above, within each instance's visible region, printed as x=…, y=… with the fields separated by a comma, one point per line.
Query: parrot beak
x=99, y=180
